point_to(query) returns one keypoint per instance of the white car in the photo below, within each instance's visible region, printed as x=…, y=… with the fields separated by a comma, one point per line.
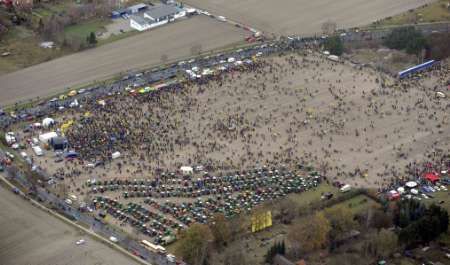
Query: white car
x=8, y=154
x=80, y=242
x=171, y=257
x=113, y=239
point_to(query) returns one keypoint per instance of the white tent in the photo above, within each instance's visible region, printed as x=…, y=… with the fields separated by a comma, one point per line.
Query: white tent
x=115, y=155
x=440, y=94
x=401, y=190
x=411, y=184
x=46, y=137
x=47, y=122
x=414, y=191
x=186, y=170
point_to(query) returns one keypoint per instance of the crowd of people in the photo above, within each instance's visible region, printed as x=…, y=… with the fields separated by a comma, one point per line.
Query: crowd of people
x=280, y=110
x=351, y=122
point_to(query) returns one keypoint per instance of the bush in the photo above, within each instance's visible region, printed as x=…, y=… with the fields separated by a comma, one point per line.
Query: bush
x=334, y=45
x=428, y=226
x=408, y=39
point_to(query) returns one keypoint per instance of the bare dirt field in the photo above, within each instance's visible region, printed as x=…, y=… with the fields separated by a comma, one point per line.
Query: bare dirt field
x=347, y=121
x=304, y=16
x=174, y=40
x=31, y=236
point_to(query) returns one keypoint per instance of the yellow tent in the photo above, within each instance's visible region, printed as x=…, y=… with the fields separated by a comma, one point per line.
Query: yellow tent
x=66, y=126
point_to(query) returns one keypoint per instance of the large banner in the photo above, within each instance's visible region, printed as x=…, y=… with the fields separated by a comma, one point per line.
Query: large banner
x=261, y=221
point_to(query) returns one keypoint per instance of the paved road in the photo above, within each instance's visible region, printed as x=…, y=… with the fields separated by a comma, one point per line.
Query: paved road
x=31, y=236
x=174, y=40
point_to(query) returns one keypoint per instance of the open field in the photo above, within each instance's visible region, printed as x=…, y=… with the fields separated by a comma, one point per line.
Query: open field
x=23, y=45
x=304, y=16
x=31, y=236
x=175, y=40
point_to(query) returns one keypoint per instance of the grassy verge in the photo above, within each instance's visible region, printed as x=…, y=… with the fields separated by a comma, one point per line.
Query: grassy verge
x=441, y=198
x=82, y=30
x=23, y=46
x=306, y=198
x=433, y=12
x=358, y=204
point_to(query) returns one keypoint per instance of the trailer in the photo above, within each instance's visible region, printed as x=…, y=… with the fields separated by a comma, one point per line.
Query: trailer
x=416, y=69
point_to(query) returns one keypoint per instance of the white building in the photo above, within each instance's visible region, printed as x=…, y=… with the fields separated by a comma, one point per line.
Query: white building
x=164, y=13
x=140, y=23
x=156, y=16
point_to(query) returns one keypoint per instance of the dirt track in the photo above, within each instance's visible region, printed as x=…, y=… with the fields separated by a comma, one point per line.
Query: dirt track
x=304, y=16
x=31, y=236
x=174, y=40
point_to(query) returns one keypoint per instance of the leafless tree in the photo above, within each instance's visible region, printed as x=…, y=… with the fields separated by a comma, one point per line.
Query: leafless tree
x=329, y=27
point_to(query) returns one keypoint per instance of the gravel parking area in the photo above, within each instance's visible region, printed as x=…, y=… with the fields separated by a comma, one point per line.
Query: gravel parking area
x=117, y=27
x=31, y=236
x=174, y=40
x=304, y=16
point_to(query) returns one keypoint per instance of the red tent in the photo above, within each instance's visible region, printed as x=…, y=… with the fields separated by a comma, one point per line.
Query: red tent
x=432, y=177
